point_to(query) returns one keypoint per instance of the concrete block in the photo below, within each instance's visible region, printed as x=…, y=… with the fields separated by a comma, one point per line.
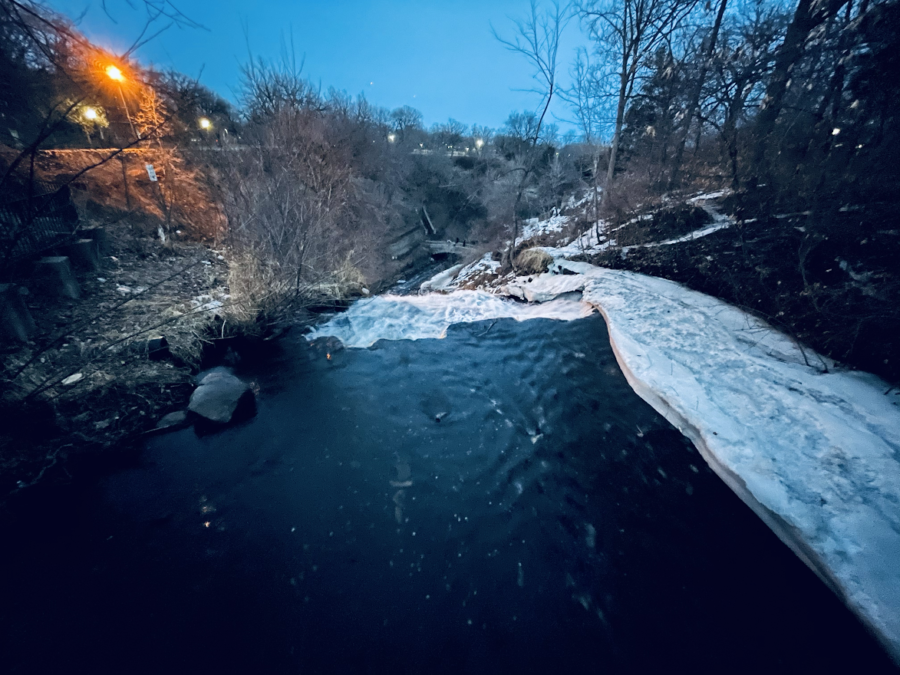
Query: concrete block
x=99, y=235
x=54, y=275
x=15, y=319
x=84, y=254
x=157, y=348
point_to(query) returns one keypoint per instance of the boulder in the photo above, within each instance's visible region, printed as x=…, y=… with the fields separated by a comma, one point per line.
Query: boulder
x=157, y=347
x=54, y=275
x=220, y=396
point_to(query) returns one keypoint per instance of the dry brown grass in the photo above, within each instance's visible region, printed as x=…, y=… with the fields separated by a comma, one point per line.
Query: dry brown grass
x=533, y=261
x=121, y=187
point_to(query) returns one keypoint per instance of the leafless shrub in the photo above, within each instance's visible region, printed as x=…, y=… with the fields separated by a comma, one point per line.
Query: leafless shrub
x=292, y=208
x=533, y=261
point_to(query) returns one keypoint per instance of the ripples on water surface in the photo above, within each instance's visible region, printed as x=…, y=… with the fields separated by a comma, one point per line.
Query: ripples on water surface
x=550, y=521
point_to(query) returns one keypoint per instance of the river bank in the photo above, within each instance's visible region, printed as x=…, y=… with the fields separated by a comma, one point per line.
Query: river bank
x=100, y=370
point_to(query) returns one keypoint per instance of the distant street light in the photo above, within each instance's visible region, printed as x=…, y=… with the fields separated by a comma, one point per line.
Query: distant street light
x=90, y=114
x=205, y=123
x=114, y=73
x=479, y=142
x=392, y=138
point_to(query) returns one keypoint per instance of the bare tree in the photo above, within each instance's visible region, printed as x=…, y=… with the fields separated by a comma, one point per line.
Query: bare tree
x=537, y=39
x=808, y=16
x=626, y=33
x=588, y=102
x=694, y=102
x=405, y=118
x=739, y=68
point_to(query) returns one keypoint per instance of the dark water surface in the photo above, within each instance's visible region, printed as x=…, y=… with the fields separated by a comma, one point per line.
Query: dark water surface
x=550, y=522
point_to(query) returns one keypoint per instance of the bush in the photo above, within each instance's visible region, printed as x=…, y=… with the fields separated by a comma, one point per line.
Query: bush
x=533, y=261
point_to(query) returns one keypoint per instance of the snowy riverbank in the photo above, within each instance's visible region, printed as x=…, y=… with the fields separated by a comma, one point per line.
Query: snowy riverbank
x=815, y=453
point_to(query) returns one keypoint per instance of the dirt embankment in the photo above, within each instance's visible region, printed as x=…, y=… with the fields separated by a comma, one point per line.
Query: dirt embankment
x=831, y=280
x=92, y=375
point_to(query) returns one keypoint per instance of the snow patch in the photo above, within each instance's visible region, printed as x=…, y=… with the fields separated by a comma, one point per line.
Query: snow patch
x=442, y=281
x=534, y=227
x=690, y=236
x=485, y=265
x=544, y=287
x=709, y=196
x=594, y=240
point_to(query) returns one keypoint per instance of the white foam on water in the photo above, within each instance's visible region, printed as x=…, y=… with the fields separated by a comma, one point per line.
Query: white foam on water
x=405, y=317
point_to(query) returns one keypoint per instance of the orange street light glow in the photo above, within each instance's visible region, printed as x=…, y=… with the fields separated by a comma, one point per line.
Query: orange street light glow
x=114, y=73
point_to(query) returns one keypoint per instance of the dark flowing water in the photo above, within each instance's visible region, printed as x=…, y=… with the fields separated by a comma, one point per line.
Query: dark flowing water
x=549, y=522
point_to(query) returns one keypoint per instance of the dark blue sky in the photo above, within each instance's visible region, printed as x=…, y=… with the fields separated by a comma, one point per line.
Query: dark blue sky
x=437, y=56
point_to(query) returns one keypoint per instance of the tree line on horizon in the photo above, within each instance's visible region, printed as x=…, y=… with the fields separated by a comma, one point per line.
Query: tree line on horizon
x=791, y=103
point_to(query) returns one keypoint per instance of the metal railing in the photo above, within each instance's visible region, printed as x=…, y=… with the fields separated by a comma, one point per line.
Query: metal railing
x=33, y=225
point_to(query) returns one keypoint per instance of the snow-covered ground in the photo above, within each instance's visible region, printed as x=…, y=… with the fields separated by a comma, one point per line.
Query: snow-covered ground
x=720, y=222
x=534, y=227
x=597, y=240
x=442, y=280
x=708, y=197
x=589, y=242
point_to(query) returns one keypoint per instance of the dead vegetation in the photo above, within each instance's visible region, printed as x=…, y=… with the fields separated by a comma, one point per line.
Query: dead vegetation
x=827, y=278
x=86, y=379
x=533, y=261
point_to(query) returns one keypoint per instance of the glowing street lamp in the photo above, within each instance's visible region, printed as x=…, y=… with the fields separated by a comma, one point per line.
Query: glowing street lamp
x=90, y=114
x=205, y=123
x=392, y=138
x=479, y=142
x=113, y=73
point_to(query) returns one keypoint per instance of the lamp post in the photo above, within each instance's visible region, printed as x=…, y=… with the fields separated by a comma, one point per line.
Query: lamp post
x=113, y=73
x=90, y=119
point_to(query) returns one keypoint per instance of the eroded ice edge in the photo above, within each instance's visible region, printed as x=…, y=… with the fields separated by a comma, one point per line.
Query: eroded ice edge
x=816, y=455
x=415, y=317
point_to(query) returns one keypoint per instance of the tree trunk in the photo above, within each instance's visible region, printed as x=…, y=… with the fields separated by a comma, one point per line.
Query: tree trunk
x=729, y=133
x=620, y=122
x=788, y=55
x=695, y=97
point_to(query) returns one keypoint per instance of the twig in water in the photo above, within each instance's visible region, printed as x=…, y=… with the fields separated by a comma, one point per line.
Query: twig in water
x=53, y=456
x=487, y=330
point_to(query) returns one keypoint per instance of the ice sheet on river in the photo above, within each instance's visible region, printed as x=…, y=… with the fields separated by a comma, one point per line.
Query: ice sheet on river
x=396, y=317
x=815, y=454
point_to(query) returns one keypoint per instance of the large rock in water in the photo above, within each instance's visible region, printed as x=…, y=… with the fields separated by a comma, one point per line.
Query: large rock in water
x=219, y=397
